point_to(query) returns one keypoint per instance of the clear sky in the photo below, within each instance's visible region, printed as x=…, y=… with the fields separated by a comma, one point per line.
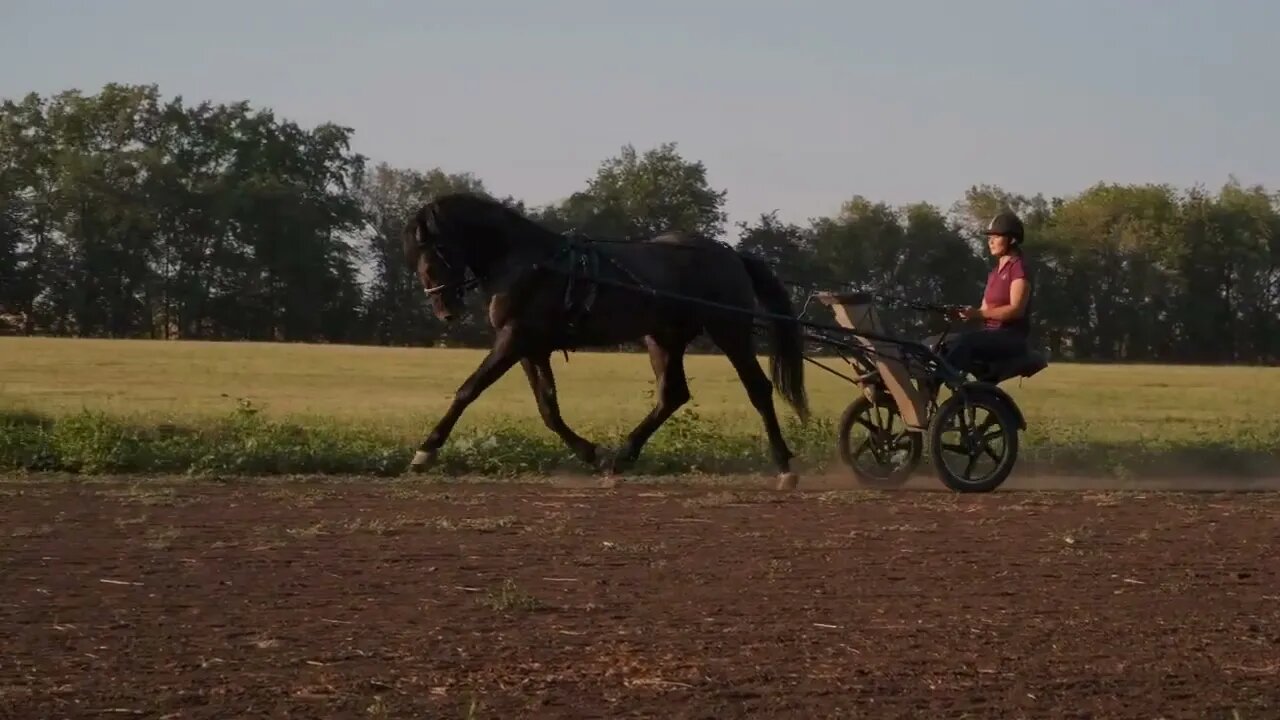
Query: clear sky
x=792, y=105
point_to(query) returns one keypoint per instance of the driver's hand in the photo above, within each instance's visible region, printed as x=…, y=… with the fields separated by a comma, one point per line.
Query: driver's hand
x=967, y=313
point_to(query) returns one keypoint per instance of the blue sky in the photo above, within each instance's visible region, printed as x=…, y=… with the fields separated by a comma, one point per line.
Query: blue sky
x=792, y=105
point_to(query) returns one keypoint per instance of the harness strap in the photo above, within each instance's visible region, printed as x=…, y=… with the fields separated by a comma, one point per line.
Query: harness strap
x=583, y=265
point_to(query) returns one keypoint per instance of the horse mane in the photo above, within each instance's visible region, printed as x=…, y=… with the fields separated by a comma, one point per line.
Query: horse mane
x=489, y=210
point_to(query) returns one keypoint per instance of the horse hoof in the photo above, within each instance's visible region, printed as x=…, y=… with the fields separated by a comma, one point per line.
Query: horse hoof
x=613, y=464
x=788, y=481
x=422, y=461
x=610, y=482
x=603, y=463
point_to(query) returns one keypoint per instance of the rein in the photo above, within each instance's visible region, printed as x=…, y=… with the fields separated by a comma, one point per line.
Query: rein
x=578, y=248
x=584, y=264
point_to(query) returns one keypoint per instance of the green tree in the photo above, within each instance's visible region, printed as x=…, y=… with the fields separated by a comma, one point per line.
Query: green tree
x=634, y=195
x=126, y=214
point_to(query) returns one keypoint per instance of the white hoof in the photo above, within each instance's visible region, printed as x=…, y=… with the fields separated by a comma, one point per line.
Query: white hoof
x=422, y=460
x=788, y=481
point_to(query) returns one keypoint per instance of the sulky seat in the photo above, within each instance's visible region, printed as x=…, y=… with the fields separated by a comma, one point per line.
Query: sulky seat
x=1024, y=365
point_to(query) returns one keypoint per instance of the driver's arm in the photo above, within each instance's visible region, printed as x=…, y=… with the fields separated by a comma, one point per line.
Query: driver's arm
x=1017, y=303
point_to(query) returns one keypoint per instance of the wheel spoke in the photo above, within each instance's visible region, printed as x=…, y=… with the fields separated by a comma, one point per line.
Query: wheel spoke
x=894, y=451
x=981, y=423
x=882, y=465
x=882, y=424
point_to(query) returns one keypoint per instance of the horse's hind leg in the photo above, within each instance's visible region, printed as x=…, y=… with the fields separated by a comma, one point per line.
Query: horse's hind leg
x=736, y=342
x=543, y=384
x=495, y=364
x=667, y=358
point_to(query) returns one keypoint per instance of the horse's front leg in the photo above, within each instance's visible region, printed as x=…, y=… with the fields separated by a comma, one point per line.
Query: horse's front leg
x=501, y=357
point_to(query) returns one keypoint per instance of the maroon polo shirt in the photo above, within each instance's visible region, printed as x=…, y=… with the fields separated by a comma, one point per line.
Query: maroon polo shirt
x=997, y=293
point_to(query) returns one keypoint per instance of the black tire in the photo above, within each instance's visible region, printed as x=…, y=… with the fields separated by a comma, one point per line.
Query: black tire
x=885, y=475
x=945, y=419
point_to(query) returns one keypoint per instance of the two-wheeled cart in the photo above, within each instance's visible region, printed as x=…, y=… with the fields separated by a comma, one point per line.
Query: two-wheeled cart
x=976, y=426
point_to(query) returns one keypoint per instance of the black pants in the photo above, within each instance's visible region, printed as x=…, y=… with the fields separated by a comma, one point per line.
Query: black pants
x=982, y=345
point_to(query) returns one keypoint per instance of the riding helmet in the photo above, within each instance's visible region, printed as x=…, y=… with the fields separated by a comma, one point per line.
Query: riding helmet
x=1006, y=223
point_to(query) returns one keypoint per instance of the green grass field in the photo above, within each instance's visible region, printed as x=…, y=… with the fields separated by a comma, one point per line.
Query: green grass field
x=64, y=396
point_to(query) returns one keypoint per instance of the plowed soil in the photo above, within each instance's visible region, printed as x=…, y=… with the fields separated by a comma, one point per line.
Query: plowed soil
x=376, y=599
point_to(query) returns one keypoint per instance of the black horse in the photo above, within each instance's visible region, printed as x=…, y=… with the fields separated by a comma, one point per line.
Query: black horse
x=549, y=292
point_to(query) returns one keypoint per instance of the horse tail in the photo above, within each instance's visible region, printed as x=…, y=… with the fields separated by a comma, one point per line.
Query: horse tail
x=786, y=362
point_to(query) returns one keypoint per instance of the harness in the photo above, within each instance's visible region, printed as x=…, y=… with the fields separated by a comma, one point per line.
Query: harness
x=583, y=264
x=582, y=259
x=582, y=267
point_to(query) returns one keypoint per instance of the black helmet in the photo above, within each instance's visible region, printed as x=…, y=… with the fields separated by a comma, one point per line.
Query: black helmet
x=1006, y=223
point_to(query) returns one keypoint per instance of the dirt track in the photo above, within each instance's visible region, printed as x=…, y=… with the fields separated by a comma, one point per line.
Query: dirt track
x=375, y=599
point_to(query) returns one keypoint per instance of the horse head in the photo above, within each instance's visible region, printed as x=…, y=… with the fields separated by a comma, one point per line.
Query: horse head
x=454, y=243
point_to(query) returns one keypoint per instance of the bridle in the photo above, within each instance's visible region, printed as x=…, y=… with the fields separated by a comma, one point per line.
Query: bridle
x=468, y=281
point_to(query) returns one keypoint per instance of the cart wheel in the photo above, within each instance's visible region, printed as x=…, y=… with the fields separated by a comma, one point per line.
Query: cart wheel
x=889, y=452
x=972, y=430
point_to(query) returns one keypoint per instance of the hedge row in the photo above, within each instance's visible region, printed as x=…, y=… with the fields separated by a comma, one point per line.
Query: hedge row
x=246, y=443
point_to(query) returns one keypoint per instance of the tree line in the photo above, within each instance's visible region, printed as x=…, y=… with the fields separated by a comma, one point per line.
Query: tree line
x=125, y=214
